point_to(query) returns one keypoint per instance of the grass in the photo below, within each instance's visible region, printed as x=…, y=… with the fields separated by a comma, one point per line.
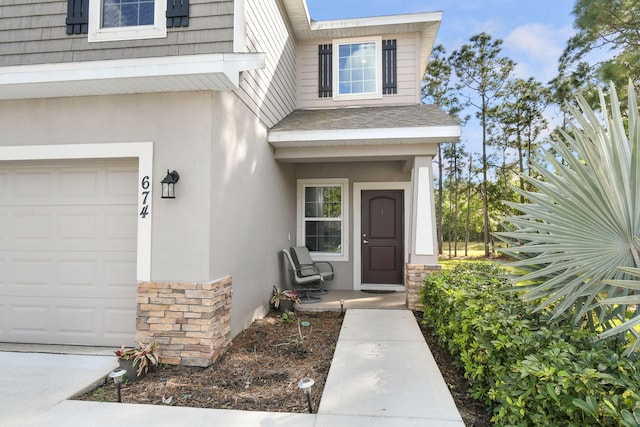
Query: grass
x=475, y=253
x=449, y=264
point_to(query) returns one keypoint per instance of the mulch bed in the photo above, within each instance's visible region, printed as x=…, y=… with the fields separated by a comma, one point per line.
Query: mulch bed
x=261, y=369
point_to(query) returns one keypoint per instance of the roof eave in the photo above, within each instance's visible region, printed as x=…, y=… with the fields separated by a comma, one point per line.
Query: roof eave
x=124, y=76
x=371, y=136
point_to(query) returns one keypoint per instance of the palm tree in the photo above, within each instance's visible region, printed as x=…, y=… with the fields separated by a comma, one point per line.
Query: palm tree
x=582, y=221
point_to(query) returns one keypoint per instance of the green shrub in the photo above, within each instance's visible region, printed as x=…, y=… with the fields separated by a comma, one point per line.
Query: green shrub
x=530, y=371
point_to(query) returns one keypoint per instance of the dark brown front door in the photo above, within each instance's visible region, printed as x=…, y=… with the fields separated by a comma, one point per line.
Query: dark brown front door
x=382, y=236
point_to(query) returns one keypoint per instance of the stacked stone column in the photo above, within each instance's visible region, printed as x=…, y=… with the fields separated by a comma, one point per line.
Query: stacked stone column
x=415, y=274
x=189, y=321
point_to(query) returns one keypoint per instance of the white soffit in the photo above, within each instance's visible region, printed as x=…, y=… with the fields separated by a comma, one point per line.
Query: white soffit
x=337, y=137
x=125, y=76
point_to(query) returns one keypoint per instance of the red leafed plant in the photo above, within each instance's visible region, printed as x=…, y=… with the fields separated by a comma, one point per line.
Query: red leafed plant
x=143, y=355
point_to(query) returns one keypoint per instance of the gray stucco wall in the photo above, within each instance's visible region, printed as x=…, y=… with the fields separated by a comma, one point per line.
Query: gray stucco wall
x=355, y=172
x=178, y=125
x=235, y=204
x=253, y=208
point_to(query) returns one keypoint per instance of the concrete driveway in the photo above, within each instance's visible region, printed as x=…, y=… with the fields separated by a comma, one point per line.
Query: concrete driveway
x=33, y=383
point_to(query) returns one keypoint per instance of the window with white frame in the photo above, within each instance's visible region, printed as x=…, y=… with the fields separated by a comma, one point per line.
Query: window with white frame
x=111, y=20
x=323, y=218
x=357, y=68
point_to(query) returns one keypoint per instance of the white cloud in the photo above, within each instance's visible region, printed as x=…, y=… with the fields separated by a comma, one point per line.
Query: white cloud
x=536, y=48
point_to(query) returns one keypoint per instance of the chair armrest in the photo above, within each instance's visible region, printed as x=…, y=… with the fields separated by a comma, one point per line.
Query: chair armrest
x=324, y=262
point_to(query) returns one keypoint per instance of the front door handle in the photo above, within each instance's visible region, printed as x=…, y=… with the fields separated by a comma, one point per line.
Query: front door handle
x=365, y=242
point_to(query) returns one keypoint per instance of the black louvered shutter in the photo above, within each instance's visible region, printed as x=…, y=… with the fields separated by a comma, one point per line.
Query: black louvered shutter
x=389, y=69
x=77, y=16
x=177, y=13
x=325, y=59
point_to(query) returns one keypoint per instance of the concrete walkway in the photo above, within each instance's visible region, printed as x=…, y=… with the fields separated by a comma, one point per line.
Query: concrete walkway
x=382, y=374
x=33, y=383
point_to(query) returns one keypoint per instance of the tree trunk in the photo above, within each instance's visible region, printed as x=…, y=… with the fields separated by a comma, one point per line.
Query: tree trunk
x=468, y=225
x=440, y=193
x=521, y=164
x=485, y=198
x=455, y=201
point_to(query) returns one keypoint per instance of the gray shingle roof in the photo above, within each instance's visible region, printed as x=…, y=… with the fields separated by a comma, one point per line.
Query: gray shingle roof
x=406, y=116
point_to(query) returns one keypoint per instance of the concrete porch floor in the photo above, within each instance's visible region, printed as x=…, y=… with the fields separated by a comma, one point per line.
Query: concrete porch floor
x=357, y=300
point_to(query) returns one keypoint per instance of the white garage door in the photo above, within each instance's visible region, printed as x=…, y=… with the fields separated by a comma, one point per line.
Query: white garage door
x=68, y=252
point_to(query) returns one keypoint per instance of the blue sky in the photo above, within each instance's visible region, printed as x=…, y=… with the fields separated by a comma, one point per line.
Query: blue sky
x=534, y=32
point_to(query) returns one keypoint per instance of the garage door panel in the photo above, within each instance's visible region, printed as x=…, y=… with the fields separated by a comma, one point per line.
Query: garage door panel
x=29, y=319
x=4, y=185
x=78, y=226
x=117, y=182
x=117, y=324
x=59, y=230
x=121, y=225
x=68, y=252
x=30, y=225
x=31, y=274
x=118, y=274
x=77, y=275
x=29, y=183
x=72, y=274
x=107, y=323
x=75, y=322
x=79, y=184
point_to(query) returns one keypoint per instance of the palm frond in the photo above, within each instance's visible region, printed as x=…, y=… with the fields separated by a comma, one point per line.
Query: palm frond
x=582, y=221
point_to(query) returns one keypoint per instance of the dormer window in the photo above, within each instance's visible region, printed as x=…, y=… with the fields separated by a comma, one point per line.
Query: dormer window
x=127, y=13
x=111, y=20
x=125, y=19
x=361, y=69
x=357, y=68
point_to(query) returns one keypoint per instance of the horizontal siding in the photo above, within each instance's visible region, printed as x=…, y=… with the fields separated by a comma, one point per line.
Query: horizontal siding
x=34, y=32
x=407, y=67
x=269, y=92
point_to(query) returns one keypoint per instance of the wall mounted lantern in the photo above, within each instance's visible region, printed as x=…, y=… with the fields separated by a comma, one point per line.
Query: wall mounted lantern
x=168, y=185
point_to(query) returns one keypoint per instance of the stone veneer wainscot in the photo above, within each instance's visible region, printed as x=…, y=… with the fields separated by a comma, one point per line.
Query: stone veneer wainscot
x=189, y=321
x=414, y=280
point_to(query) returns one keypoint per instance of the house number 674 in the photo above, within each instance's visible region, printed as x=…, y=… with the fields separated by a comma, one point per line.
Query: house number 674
x=144, y=211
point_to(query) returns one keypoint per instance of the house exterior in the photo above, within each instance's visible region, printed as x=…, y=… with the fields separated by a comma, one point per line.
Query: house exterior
x=284, y=131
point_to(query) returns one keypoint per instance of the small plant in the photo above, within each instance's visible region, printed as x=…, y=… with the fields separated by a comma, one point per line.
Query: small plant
x=288, y=317
x=283, y=295
x=142, y=355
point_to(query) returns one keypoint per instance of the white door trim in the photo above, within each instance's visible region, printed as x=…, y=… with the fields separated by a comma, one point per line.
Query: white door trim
x=358, y=188
x=142, y=150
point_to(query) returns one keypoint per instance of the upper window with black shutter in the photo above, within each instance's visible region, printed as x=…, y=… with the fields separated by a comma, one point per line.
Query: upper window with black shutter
x=111, y=20
x=361, y=69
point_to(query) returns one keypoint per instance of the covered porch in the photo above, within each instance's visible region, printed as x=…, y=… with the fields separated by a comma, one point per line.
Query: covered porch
x=380, y=158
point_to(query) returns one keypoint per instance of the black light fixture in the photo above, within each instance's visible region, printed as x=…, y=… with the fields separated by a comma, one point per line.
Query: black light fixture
x=168, y=185
x=117, y=379
x=305, y=385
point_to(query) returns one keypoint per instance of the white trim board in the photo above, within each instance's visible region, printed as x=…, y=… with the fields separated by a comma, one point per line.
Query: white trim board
x=418, y=133
x=358, y=187
x=142, y=150
x=220, y=71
